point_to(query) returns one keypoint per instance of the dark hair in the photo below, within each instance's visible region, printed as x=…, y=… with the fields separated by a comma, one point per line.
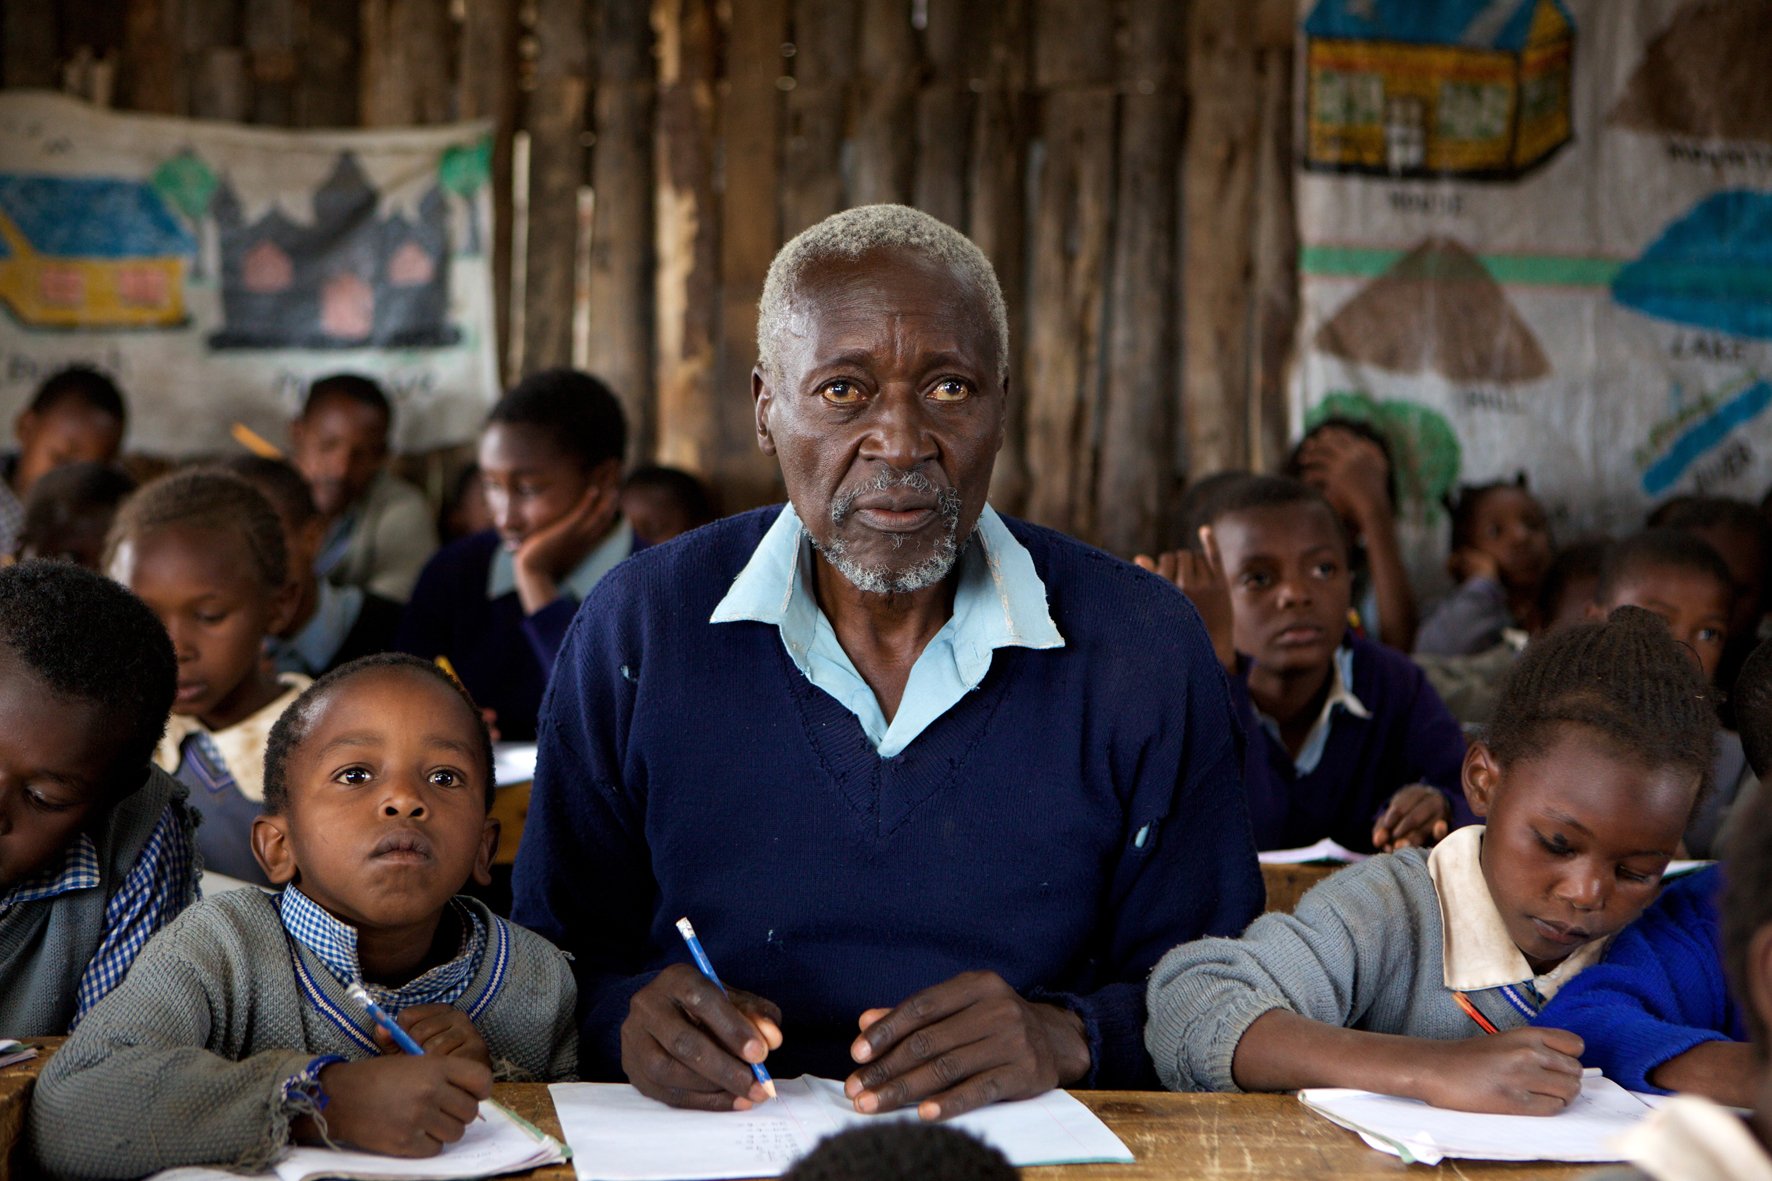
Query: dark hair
x=89, y=639
x=1463, y=508
x=1666, y=548
x=1574, y=562
x=1688, y=513
x=1199, y=504
x=1747, y=907
x=291, y=727
x=68, y=494
x=575, y=410
x=207, y=498
x=900, y=1152
x=352, y=387
x=1626, y=678
x=1353, y=426
x=279, y=483
x=1752, y=700
x=690, y=496
x=1264, y=492
x=82, y=384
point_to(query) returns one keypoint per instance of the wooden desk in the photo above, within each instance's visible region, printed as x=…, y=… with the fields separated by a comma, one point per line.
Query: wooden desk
x=16, y=1082
x=1176, y=1137
x=1286, y=884
x=510, y=807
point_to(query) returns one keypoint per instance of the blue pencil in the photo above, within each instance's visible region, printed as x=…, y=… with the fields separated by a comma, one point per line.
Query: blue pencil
x=707, y=969
x=400, y=1036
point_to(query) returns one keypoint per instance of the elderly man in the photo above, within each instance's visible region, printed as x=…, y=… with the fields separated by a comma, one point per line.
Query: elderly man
x=936, y=788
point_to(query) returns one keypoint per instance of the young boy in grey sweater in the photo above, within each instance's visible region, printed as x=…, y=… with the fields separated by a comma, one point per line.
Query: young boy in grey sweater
x=236, y=1033
x=1414, y=973
x=96, y=846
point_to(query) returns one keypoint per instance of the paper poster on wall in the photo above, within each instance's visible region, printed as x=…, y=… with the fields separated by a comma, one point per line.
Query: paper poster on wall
x=1536, y=235
x=215, y=269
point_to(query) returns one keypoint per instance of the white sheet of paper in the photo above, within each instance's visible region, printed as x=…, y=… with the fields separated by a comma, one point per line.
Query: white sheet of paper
x=617, y=1134
x=1419, y=1133
x=1323, y=850
x=14, y=1051
x=494, y=1144
x=513, y=762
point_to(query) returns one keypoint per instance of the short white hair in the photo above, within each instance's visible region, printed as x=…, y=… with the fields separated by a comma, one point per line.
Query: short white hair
x=863, y=230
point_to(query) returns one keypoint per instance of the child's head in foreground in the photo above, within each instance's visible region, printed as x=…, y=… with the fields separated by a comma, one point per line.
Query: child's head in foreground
x=1285, y=557
x=545, y=444
x=1678, y=577
x=1504, y=522
x=205, y=551
x=86, y=682
x=1586, y=779
x=378, y=781
x=76, y=416
x=902, y=1152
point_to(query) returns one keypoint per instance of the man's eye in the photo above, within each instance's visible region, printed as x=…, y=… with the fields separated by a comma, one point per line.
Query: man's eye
x=841, y=393
x=951, y=389
x=354, y=776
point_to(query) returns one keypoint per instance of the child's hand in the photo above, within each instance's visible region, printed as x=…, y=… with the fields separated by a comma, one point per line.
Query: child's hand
x=1520, y=1072
x=403, y=1105
x=438, y=1029
x=1349, y=470
x=1417, y=815
x=1469, y=562
x=1201, y=578
x=549, y=554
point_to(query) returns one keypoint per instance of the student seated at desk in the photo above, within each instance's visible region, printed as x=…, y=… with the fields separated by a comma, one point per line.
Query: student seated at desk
x=205, y=551
x=1501, y=550
x=498, y=603
x=1409, y=974
x=95, y=843
x=1346, y=739
x=236, y=1032
x=76, y=416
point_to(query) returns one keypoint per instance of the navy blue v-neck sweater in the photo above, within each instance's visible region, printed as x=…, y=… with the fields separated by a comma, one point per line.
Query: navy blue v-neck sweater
x=1064, y=825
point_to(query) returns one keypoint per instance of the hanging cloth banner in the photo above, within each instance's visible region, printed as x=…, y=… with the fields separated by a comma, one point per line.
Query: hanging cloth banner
x=215, y=270
x=1536, y=235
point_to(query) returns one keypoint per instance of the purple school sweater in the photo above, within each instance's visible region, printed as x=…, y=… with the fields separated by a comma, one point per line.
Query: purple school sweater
x=1064, y=825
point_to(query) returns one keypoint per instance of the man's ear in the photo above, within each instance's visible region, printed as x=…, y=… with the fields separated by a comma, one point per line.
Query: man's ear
x=272, y=850
x=1482, y=775
x=489, y=834
x=762, y=398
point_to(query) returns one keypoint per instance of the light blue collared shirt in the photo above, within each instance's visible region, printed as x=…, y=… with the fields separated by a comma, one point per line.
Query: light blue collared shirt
x=999, y=602
x=1341, y=696
x=618, y=543
x=312, y=648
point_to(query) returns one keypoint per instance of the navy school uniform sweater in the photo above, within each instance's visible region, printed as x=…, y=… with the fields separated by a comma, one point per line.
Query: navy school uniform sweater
x=1410, y=738
x=1064, y=825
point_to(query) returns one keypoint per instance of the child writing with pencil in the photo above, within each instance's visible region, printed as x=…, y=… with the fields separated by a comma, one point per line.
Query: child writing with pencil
x=205, y=551
x=1412, y=974
x=238, y=1031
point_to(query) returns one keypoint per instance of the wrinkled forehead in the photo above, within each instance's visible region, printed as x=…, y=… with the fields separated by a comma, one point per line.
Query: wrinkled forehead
x=898, y=287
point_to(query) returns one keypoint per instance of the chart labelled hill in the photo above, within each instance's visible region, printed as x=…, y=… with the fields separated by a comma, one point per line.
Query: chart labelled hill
x=1708, y=75
x=1711, y=268
x=1436, y=310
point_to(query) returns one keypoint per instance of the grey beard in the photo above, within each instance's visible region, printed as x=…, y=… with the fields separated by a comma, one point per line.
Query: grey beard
x=888, y=580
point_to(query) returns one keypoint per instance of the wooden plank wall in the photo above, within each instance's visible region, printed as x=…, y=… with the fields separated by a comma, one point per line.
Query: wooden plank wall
x=1126, y=164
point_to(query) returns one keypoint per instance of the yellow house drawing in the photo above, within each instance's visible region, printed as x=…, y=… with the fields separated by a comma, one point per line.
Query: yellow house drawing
x=1466, y=88
x=90, y=252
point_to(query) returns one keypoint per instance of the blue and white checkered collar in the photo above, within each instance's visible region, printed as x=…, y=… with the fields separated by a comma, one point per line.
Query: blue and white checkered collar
x=334, y=943
x=77, y=870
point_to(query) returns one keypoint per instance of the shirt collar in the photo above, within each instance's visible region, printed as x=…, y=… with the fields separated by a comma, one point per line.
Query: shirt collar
x=1341, y=696
x=241, y=747
x=311, y=649
x=77, y=870
x=334, y=943
x=1478, y=952
x=618, y=543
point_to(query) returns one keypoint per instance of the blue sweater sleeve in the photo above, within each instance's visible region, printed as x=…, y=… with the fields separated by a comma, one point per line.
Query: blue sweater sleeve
x=1659, y=992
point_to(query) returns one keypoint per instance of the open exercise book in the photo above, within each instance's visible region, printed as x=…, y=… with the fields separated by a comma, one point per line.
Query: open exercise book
x=617, y=1134
x=499, y=1142
x=13, y=1051
x=1420, y=1134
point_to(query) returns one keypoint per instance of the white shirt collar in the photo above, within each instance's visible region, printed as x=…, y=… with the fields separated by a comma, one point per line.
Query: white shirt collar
x=241, y=746
x=618, y=543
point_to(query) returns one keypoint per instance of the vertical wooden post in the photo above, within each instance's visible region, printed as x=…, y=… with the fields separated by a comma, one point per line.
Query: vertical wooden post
x=1074, y=66
x=1136, y=481
x=328, y=84
x=30, y=44
x=812, y=175
x=750, y=231
x=1275, y=245
x=1223, y=122
x=489, y=91
x=944, y=110
x=556, y=171
x=621, y=278
x=214, y=62
x=687, y=243
x=406, y=62
x=269, y=27
x=886, y=106
x=152, y=73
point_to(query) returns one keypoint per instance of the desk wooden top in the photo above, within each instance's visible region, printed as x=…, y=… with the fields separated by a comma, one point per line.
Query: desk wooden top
x=16, y=1082
x=1177, y=1137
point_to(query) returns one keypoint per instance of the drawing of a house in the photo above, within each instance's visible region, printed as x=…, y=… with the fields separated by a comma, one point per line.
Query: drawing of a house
x=1467, y=88
x=90, y=252
x=349, y=279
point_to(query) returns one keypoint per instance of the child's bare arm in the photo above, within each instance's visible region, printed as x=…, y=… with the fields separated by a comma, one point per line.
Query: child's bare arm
x=1520, y=1072
x=1723, y=1071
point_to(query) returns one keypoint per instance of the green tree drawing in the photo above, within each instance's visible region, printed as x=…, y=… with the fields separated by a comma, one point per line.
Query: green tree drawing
x=463, y=170
x=187, y=184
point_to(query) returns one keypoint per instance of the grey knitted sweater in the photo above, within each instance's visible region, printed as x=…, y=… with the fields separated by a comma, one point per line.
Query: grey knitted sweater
x=1363, y=950
x=184, y=1063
